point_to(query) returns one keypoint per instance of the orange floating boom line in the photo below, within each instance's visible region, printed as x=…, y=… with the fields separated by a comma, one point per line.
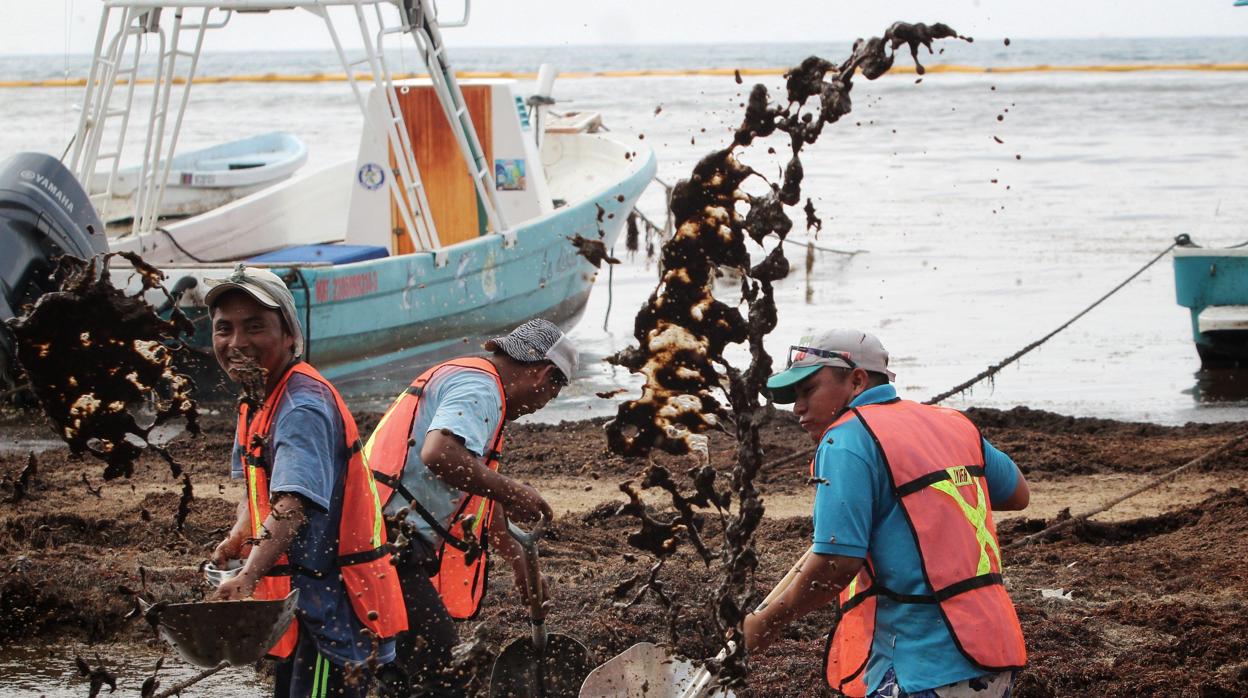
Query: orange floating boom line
x=671, y=72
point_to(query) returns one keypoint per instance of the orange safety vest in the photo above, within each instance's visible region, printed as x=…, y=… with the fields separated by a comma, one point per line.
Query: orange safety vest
x=935, y=462
x=462, y=556
x=363, y=556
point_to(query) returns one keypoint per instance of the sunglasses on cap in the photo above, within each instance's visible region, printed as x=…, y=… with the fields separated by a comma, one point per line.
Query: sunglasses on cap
x=798, y=354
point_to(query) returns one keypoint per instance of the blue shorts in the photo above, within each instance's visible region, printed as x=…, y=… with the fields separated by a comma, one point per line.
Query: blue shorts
x=988, y=686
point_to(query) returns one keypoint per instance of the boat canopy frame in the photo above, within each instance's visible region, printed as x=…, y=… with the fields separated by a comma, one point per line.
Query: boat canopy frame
x=116, y=59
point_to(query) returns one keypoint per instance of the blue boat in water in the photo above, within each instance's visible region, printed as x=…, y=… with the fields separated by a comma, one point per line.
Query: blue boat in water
x=455, y=221
x=1213, y=285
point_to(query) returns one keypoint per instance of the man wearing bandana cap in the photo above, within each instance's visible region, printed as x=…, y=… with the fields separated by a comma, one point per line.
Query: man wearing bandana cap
x=438, y=449
x=904, y=540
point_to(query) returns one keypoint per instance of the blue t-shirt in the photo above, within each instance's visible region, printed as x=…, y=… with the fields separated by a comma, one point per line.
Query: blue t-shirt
x=465, y=402
x=308, y=456
x=856, y=512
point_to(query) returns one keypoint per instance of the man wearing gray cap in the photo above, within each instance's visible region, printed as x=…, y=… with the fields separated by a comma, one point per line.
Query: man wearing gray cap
x=904, y=540
x=435, y=455
x=310, y=522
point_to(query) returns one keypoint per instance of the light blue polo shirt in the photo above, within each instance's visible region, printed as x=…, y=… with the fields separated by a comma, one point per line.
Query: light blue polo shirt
x=465, y=402
x=855, y=512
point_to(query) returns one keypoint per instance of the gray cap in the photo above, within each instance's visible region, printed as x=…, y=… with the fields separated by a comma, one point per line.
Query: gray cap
x=267, y=289
x=839, y=348
x=538, y=340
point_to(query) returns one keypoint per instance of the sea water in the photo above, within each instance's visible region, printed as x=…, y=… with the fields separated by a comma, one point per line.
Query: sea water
x=973, y=248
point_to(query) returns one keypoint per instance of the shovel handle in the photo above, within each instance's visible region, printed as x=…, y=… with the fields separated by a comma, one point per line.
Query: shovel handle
x=533, y=578
x=527, y=539
x=786, y=581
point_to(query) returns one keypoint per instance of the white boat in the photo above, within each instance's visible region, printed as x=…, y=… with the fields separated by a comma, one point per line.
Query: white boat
x=454, y=222
x=202, y=180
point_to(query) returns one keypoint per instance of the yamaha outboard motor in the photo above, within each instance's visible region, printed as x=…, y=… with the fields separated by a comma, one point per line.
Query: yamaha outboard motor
x=44, y=213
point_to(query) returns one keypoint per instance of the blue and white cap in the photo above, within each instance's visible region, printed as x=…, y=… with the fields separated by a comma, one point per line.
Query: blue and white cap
x=838, y=348
x=538, y=340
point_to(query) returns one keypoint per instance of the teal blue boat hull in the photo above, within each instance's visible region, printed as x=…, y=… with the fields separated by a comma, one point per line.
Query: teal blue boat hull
x=1213, y=285
x=372, y=326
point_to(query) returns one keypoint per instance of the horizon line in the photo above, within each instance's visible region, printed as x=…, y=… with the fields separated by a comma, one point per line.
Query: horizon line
x=6, y=54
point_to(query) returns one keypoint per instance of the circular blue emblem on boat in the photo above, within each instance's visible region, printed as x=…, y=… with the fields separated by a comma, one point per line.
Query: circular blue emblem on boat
x=371, y=176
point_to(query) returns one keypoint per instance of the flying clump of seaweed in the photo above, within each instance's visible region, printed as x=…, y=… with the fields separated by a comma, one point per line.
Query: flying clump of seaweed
x=100, y=364
x=683, y=329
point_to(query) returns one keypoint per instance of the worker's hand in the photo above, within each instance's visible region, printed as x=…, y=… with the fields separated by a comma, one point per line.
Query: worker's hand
x=755, y=631
x=232, y=548
x=239, y=587
x=526, y=598
x=527, y=506
x=229, y=549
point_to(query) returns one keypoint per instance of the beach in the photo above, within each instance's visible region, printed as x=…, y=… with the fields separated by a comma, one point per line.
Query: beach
x=1145, y=599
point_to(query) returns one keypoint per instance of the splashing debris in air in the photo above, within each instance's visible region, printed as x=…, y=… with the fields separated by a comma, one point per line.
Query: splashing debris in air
x=100, y=363
x=683, y=330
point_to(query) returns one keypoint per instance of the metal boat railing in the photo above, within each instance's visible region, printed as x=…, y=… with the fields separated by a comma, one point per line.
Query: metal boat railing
x=104, y=104
x=433, y=51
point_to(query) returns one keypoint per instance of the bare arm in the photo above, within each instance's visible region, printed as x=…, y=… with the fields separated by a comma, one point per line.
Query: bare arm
x=231, y=548
x=448, y=459
x=282, y=523
x=817, y=584
x=502, y=543
x=1020, y=498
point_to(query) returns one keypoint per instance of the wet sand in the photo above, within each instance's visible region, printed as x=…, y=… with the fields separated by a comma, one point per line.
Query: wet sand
x=1157, y=585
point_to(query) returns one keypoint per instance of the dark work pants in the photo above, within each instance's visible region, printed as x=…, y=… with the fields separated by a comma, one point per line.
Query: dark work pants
x=309, y=674
x=422, y=665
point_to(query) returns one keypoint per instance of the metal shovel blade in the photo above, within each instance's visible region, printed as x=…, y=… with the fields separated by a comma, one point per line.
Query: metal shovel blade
x=645, y=670
x=521, y=672
x=207, y=633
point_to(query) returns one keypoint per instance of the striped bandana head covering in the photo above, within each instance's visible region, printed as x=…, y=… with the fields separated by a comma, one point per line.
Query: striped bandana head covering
x=538, y=340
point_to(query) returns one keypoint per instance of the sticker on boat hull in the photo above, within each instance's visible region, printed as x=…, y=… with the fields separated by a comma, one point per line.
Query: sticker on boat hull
x=371, y=176
x=509, y=175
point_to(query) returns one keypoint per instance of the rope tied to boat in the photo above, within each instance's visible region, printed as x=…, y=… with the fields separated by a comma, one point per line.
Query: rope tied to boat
x=1182, y=240
x=1164, y=477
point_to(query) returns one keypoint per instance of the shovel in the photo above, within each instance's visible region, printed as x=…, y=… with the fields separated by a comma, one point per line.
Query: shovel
x=546, y=665
x=646, y=670
x=207, y=633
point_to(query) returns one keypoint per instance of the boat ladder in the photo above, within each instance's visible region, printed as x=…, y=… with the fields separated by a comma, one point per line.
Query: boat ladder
x=428, y=37
x=406, y=187
x=111, y=65
x=118, y=62
x=420, y=21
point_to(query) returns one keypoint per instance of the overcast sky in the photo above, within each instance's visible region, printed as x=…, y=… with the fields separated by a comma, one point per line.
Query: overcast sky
x=59, y=26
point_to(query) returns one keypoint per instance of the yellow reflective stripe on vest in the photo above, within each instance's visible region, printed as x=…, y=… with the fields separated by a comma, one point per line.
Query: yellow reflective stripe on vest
x=476, y=523
x=254, y=509
x=377, y=515
x=852, y=588
x=372, y=488
x=977, y=516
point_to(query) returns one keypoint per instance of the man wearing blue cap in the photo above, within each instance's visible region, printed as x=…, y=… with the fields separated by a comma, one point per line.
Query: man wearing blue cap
x=904, y=540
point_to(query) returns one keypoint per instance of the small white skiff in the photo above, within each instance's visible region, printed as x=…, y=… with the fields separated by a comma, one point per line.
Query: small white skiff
x=202, y=180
